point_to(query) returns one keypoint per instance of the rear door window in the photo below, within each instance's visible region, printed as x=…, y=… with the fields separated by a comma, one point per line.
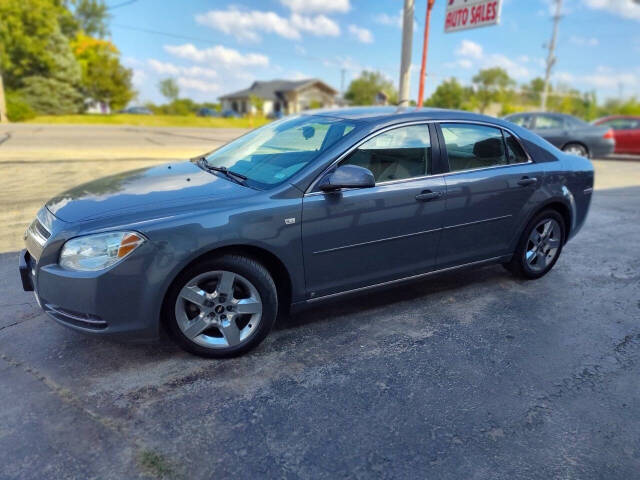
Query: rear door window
x=470, y=146
x=515, y=152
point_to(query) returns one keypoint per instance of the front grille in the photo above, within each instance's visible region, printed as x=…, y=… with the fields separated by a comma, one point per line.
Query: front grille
x=82, y=320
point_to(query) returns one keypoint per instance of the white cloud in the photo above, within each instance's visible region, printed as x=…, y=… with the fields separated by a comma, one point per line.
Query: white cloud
x=603, y=78
x=584, y=41
x=623, y=8
x=227, y=57
x=389, y=20
x=319, y=25
x=198, y=85
x=317, y=6
x=139, y=77
x=393, y=20
x=472, y=55
x=247, y=24
x=361, y=34
x=469, y=49
x=167, y=68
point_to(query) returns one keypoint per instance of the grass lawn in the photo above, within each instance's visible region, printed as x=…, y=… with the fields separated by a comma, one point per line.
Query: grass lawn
x=152, y=120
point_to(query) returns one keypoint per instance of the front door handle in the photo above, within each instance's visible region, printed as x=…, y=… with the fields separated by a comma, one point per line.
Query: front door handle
x=428, y=195
x=526, y=181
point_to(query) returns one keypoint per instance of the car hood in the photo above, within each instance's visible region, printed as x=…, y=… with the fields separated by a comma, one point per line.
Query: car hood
x=146, y=189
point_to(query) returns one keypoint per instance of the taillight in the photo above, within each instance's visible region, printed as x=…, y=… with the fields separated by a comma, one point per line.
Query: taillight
x=609, y=134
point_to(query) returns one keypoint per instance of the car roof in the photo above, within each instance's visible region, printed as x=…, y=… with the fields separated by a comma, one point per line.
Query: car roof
x=386, y=114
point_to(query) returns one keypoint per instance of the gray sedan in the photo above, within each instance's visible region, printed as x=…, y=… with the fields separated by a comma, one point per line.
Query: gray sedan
x=568, y=133
x=302, y=210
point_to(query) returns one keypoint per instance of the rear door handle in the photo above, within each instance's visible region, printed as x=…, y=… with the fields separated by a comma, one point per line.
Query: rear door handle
x=526, y=181
x=428, y=195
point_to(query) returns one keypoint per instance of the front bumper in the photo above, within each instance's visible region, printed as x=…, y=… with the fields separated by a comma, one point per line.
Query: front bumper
x=26, y=271
x=123, y=301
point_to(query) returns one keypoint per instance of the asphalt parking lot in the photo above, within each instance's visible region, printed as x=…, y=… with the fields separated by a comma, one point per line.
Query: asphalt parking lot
x=467, y=375
x=470, y=375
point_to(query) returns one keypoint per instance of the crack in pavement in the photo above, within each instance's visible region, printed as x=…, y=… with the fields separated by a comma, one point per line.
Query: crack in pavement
x=6, y=138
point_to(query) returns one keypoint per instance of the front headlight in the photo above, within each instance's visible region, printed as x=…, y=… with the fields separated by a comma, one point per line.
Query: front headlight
x=99, y=251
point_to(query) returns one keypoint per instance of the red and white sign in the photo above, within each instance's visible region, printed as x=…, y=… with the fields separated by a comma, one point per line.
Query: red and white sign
x=466, y=14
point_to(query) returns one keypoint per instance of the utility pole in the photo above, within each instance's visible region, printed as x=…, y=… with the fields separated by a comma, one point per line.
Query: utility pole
x=3, y=104
x=425, y=45
x=405, y=65
x=551, y=58
x=342, y=72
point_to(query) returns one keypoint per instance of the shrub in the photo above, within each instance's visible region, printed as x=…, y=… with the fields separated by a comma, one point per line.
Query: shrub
x=17, y=109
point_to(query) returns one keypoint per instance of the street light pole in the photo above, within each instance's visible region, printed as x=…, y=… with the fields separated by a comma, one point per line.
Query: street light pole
x=551, y=58
x=425, y=45
x=405, y=65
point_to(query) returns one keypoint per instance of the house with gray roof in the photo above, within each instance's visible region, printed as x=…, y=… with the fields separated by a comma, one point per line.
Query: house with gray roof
x=284, y=96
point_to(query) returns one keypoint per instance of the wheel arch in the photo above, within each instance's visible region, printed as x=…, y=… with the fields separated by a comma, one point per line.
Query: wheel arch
x=577, y=142
x=559, y=205
x=279, y=272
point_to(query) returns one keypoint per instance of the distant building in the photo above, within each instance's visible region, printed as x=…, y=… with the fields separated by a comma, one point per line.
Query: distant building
x=96, y=106
x=281, y=96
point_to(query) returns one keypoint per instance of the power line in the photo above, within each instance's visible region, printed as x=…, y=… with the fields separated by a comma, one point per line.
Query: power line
x=123, y=4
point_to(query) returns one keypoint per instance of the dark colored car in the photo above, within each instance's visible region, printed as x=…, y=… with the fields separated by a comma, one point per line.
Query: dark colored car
x=229, y=114
x=137, y=111
x=626, y=132
x=304, y=209
x=207, y=112
x=568, y=133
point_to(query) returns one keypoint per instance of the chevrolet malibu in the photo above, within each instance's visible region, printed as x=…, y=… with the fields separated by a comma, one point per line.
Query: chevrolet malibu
x=307, y=208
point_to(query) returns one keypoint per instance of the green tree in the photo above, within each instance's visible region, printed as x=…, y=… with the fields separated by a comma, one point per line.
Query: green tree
x=491, y=86
x=50, y=96
x=169, y=89
x=449, y=94
x=92, y=17
x=363, y=90
x=33, y=43
x=532, y=91
x=103, y=76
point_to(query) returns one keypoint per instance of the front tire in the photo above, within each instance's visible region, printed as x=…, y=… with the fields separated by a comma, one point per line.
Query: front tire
x=539, y=246
x=222, y=307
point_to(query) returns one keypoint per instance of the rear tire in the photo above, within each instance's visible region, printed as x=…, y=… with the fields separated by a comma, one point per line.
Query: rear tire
x=539, y=246
x=221, y=307
x=576, y=149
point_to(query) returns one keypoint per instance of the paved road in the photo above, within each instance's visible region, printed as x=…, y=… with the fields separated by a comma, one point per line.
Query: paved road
x=467, y=375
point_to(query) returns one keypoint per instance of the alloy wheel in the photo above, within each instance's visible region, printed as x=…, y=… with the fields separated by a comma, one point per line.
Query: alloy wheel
x=543, y=244
x=218, y=309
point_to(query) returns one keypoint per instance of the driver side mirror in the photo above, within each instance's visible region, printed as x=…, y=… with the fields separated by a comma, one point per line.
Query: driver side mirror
x=347, y=176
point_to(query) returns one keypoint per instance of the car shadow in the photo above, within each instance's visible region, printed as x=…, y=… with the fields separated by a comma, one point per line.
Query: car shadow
x=432, y=286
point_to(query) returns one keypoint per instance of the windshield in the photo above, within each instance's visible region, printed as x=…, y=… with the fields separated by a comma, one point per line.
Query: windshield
x=270, y=155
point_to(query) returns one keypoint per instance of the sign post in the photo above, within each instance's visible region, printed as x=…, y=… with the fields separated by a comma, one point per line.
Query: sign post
x=466, y=14
x=425, y=45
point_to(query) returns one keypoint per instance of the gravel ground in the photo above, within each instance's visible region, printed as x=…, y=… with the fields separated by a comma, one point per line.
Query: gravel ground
x=470, y=375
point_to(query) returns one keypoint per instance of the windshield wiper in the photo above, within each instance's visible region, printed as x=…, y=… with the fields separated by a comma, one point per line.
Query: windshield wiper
x=237, y=177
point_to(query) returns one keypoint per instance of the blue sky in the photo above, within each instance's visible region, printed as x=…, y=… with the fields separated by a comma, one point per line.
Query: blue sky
x=215, y=47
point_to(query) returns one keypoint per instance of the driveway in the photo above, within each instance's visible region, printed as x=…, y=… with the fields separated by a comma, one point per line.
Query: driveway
x=467, y=375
